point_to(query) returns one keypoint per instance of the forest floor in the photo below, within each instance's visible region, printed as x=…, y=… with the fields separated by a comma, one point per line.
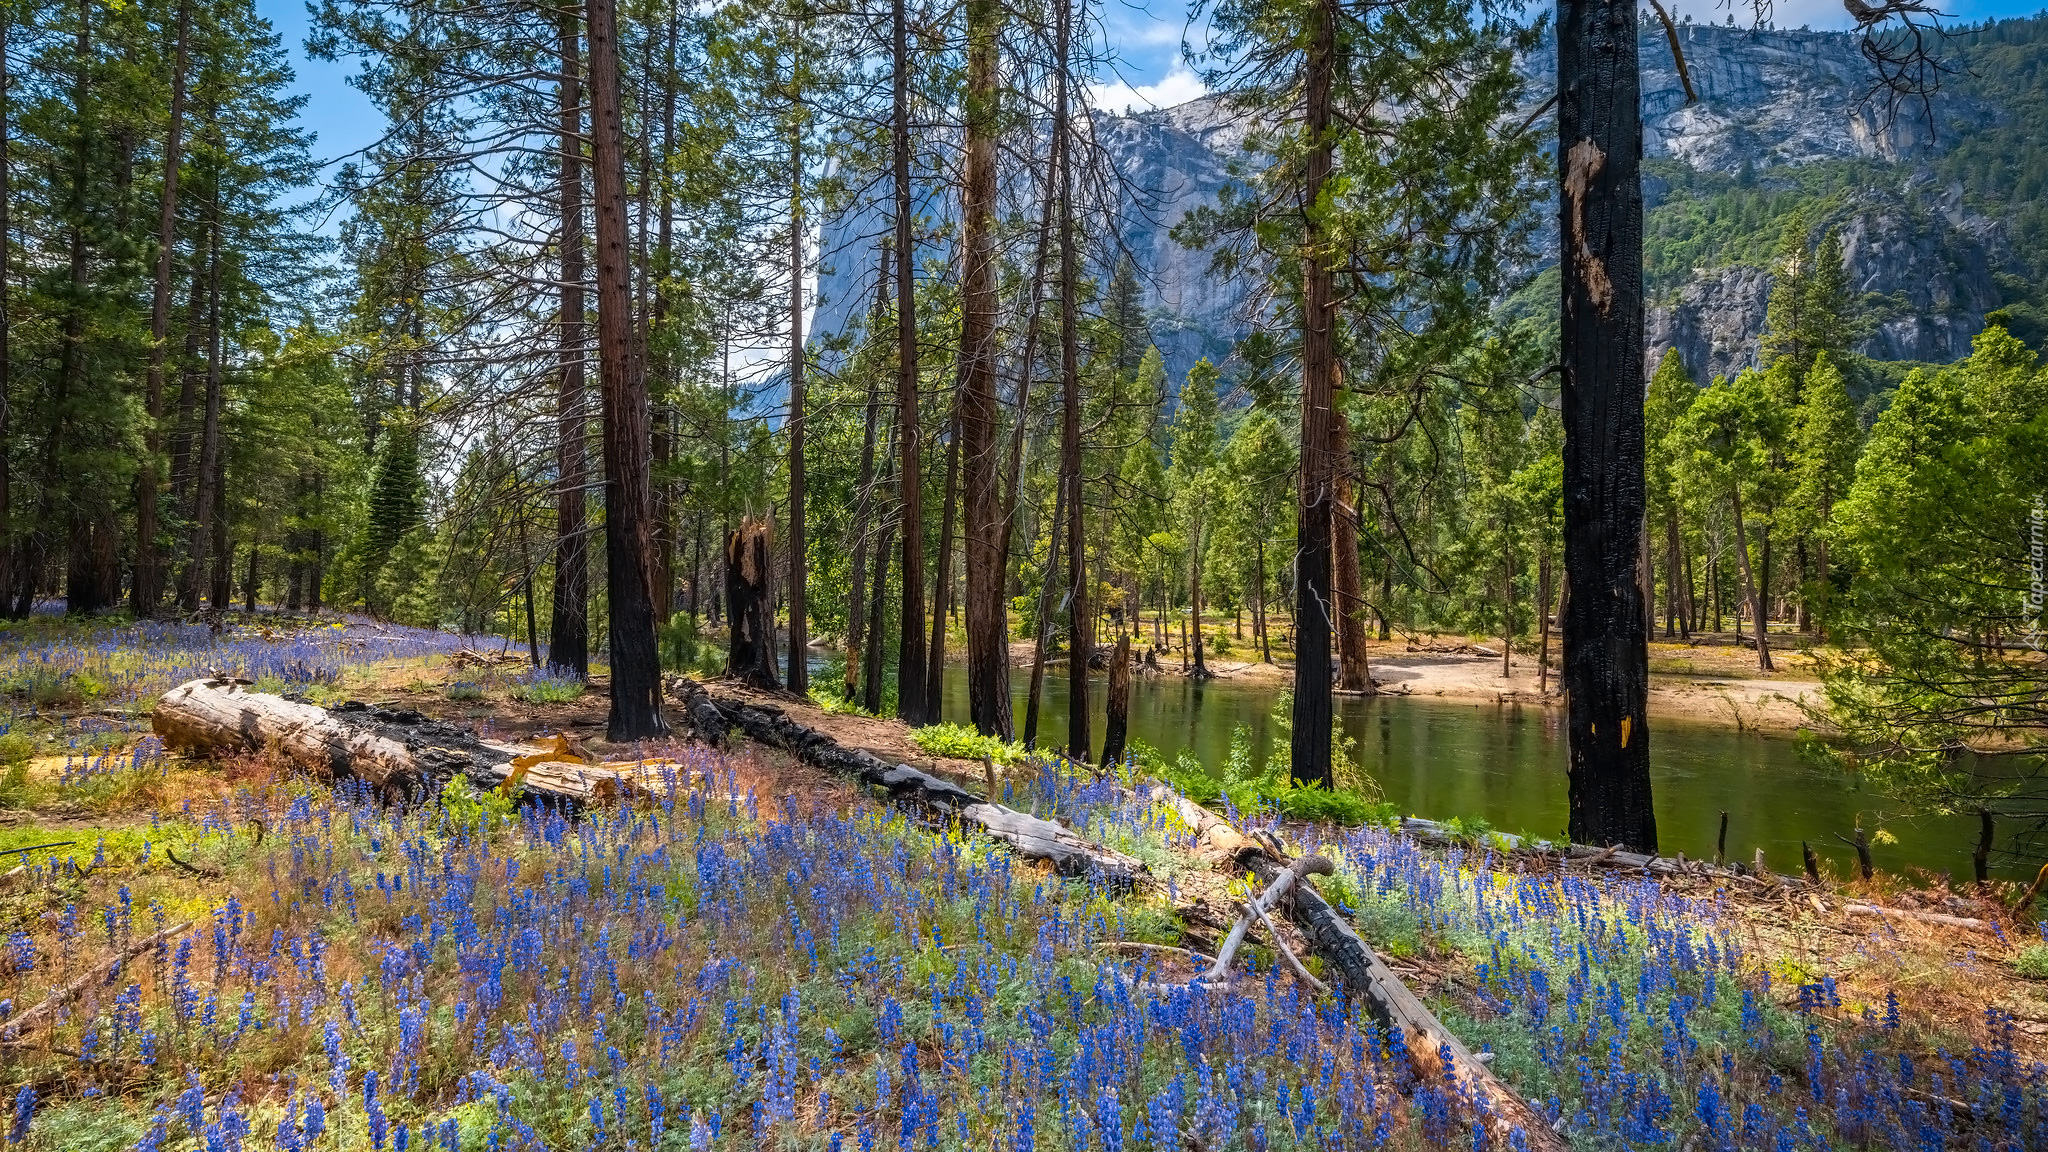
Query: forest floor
x=421, y=968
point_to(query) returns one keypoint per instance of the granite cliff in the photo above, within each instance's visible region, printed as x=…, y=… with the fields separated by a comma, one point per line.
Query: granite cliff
x=1783, y=122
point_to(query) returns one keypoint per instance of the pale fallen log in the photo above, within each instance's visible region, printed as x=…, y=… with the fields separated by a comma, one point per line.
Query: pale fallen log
x=29, y=1017
x=1027, y=835
x=223, y=715
x=1940, y=918
x=400, y=753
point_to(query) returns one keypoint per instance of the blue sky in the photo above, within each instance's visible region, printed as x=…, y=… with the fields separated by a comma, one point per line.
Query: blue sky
x=1146, y=37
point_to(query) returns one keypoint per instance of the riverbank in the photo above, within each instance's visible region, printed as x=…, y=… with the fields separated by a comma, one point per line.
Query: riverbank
x=1713, y=681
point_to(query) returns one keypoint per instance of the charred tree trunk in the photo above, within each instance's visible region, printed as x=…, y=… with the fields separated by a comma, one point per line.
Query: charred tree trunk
x=635, y=660
x=1309, y=750
x=910, y=651
x=1117, y=727
x=569, y=619
x=1606, y=655
x=750, y=600
x=988, y=654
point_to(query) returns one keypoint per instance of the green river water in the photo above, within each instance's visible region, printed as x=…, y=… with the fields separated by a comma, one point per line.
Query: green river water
x=1441, y=758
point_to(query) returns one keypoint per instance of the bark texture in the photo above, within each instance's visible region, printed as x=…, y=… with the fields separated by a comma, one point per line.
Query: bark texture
x=1606, y=658
x=750, y=598
x=635, y=660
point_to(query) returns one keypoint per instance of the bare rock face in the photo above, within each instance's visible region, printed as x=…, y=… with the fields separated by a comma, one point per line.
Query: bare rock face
x=1712, y=322
x=1923, y=273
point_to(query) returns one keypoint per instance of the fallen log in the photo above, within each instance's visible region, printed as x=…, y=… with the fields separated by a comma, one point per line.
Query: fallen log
x=1030, y=837
x=706, y=722
x=1436, y=835
x=1941, y=918
x=1433, y=1049
x=401, y=753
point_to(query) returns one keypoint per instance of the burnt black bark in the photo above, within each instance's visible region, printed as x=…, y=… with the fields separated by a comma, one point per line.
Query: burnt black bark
x=1606, y=655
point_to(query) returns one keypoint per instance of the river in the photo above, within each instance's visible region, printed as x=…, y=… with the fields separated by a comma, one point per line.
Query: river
x=1441, y=758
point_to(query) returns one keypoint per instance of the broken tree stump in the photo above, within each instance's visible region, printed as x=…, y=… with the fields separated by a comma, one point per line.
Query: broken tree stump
x=749, y=564
x=1118, y=728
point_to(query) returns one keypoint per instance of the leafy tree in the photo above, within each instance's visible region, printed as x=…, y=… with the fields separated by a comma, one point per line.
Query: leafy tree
x=1942, y=703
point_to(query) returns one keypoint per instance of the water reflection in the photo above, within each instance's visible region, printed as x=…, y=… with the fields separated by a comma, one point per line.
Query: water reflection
x=1441, y=758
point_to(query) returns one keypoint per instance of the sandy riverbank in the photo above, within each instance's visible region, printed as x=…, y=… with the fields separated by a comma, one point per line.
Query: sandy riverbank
x=1708, y=684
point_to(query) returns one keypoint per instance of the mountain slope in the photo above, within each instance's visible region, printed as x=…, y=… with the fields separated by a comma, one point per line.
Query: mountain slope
x=1943, y=217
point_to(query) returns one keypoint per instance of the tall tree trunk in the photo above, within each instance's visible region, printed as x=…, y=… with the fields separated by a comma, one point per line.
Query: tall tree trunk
x=1309, y=750
x=1821, y=585
x=1507, y=605
x=864, y=515
x=1750, y=590
x=799, y=561
x=569, y=618
x=942, y=582
x=1052, y=567
x=1673, y=600
x=988, y=651
x=910, y=651
x=635, y=660
x=1195, y=597
x=871, y=664
x=1259, y=599
x=7, y=565
x=207, y=498
x=667, y=548
x=249, y=581
x=147, y=588
x=1354, y=666
x=1606, y=654
x=1081, y=626
x=71, y=362
x=220, y=594
x=1543, y=624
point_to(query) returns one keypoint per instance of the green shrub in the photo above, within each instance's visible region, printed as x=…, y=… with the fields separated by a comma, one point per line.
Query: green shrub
x=465, y=690
x=2032, y=962
x=467, y=804
x=1221, y=645
x=1251, y=791
x=959, y=742
x=16, y=749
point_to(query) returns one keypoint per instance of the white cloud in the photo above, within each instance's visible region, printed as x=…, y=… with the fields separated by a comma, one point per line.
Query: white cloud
x=1178, y=86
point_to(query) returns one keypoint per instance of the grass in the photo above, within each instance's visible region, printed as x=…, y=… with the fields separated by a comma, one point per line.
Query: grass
x=711, y=972
x=723, y=970
x=541, y=686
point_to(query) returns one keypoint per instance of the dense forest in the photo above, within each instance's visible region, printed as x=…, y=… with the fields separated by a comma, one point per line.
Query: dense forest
x=230, y=382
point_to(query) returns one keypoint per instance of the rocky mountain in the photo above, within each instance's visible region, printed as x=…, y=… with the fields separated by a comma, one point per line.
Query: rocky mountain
x=1936, y=211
